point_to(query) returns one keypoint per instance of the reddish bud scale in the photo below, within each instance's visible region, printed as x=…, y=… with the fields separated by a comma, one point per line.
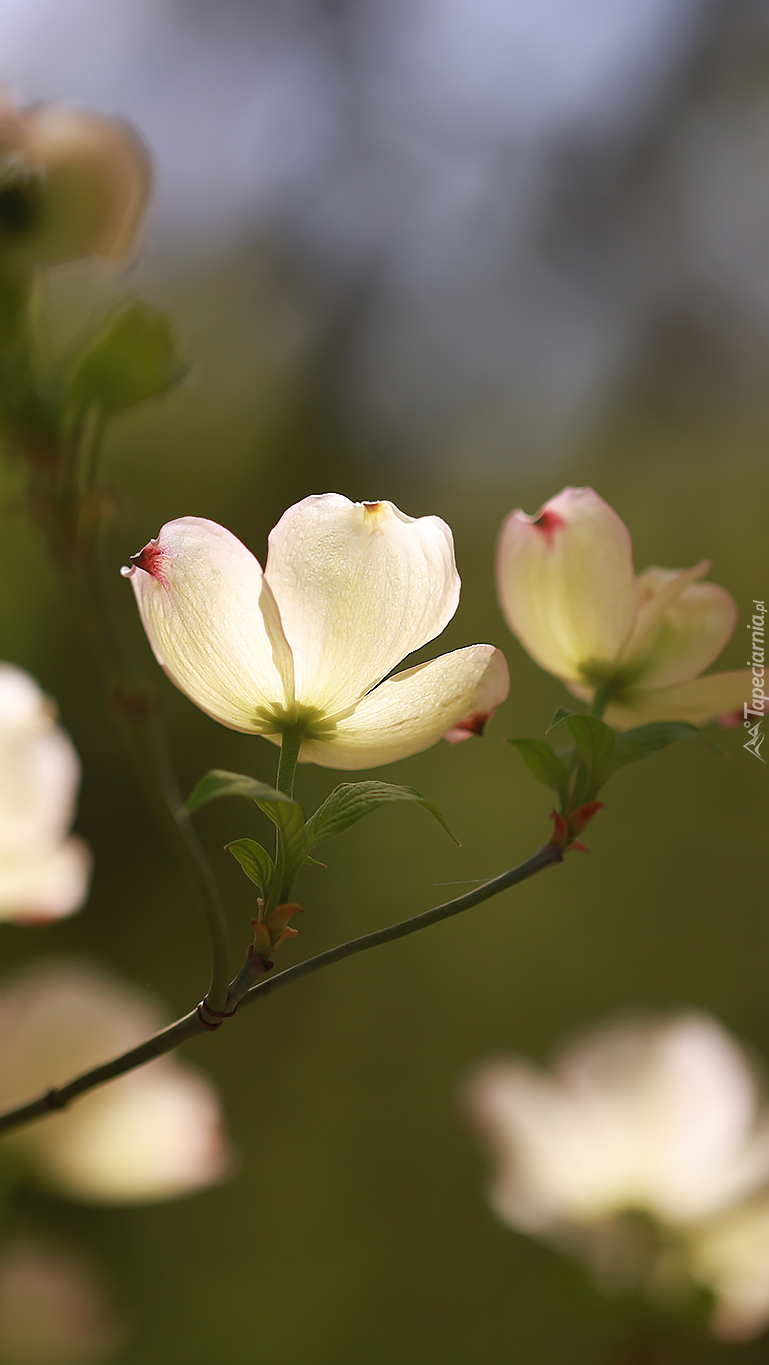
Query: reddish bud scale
x=566, y=828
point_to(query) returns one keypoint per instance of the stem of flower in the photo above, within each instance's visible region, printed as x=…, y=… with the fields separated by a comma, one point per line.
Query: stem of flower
x=291, y=743
x=603, y=696
x=193, y=1024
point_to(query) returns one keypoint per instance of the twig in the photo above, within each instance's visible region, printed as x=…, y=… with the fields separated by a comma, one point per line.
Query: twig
x=198, y=1020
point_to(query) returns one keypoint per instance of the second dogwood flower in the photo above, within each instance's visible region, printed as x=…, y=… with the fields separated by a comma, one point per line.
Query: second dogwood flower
x=568, y=590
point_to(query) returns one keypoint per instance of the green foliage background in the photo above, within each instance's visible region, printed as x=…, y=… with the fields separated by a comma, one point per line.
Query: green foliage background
x=356, y=1229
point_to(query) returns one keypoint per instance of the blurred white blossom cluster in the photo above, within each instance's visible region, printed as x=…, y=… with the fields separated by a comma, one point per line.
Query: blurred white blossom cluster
x=153, y=1134
x=44, y=870
x=645, y=1153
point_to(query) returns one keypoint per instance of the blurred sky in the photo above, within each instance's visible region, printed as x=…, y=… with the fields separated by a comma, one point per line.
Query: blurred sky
x=508, y=201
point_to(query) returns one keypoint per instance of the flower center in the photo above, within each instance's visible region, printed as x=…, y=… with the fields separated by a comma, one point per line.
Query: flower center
x=313, y=722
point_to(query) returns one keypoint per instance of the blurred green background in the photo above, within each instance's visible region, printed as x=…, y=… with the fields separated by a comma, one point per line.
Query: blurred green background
x=356, y=1229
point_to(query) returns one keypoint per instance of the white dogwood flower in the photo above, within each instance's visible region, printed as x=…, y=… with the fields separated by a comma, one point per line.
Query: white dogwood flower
x=349, y=589
x=659, y=1118
x=568, y=590
x=44, y=870
x=72, y=184
x=154, y=1133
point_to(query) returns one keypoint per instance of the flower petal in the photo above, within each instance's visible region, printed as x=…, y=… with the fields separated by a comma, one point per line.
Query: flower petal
x=39, y=769
x=415, y=709
x=649, y=1115
x=698, y=702
x=213, y=624
x=359, y=586
x=152, y=1134
x=566, y=584
x=155, y=1134
x=43, y=875
x=49, y=887
x=685, y=1097
x=682, y=626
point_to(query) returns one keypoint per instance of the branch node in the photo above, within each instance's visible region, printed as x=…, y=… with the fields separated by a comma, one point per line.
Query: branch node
x=212, y=1019
x=54, y=1100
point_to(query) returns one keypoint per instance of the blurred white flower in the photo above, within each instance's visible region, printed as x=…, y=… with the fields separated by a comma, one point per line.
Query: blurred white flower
x=349, y=589
x=43, y=871
x=72, y=184
x=658, y=1118
x=568, y=590
x=155, y=1133
x=54, y=1309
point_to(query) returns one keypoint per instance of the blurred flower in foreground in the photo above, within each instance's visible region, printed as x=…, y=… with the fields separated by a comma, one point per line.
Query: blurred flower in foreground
x=568, y=590
x=72, y=184
x=348, y=591
x=53, y=1308
x=43, y=872
x=153, y=1134
x=645, y=1152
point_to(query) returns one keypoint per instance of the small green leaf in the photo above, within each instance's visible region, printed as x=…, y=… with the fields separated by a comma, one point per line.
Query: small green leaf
x=314, y=862
x=220, y=783
x=288, y=817
x=286, y=814
x=352, y=800
x=561, y=714
x=545, y=765
x=255, y=861
x=633, y=745
x=596, y=743
x=132, y=356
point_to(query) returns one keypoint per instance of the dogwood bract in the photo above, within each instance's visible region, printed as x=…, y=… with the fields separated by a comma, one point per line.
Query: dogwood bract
x=568, y=590
x=154, y=1133
x=44, y=870
x=348, y=590
x=659, y=1117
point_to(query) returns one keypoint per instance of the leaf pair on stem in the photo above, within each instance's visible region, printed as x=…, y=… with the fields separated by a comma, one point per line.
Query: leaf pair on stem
x=296, y=836
x=578, y=773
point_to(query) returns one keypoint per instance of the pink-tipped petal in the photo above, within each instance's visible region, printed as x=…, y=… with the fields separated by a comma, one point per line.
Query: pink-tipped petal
x=414, y=709
x=566, y=584
x=213, y=624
